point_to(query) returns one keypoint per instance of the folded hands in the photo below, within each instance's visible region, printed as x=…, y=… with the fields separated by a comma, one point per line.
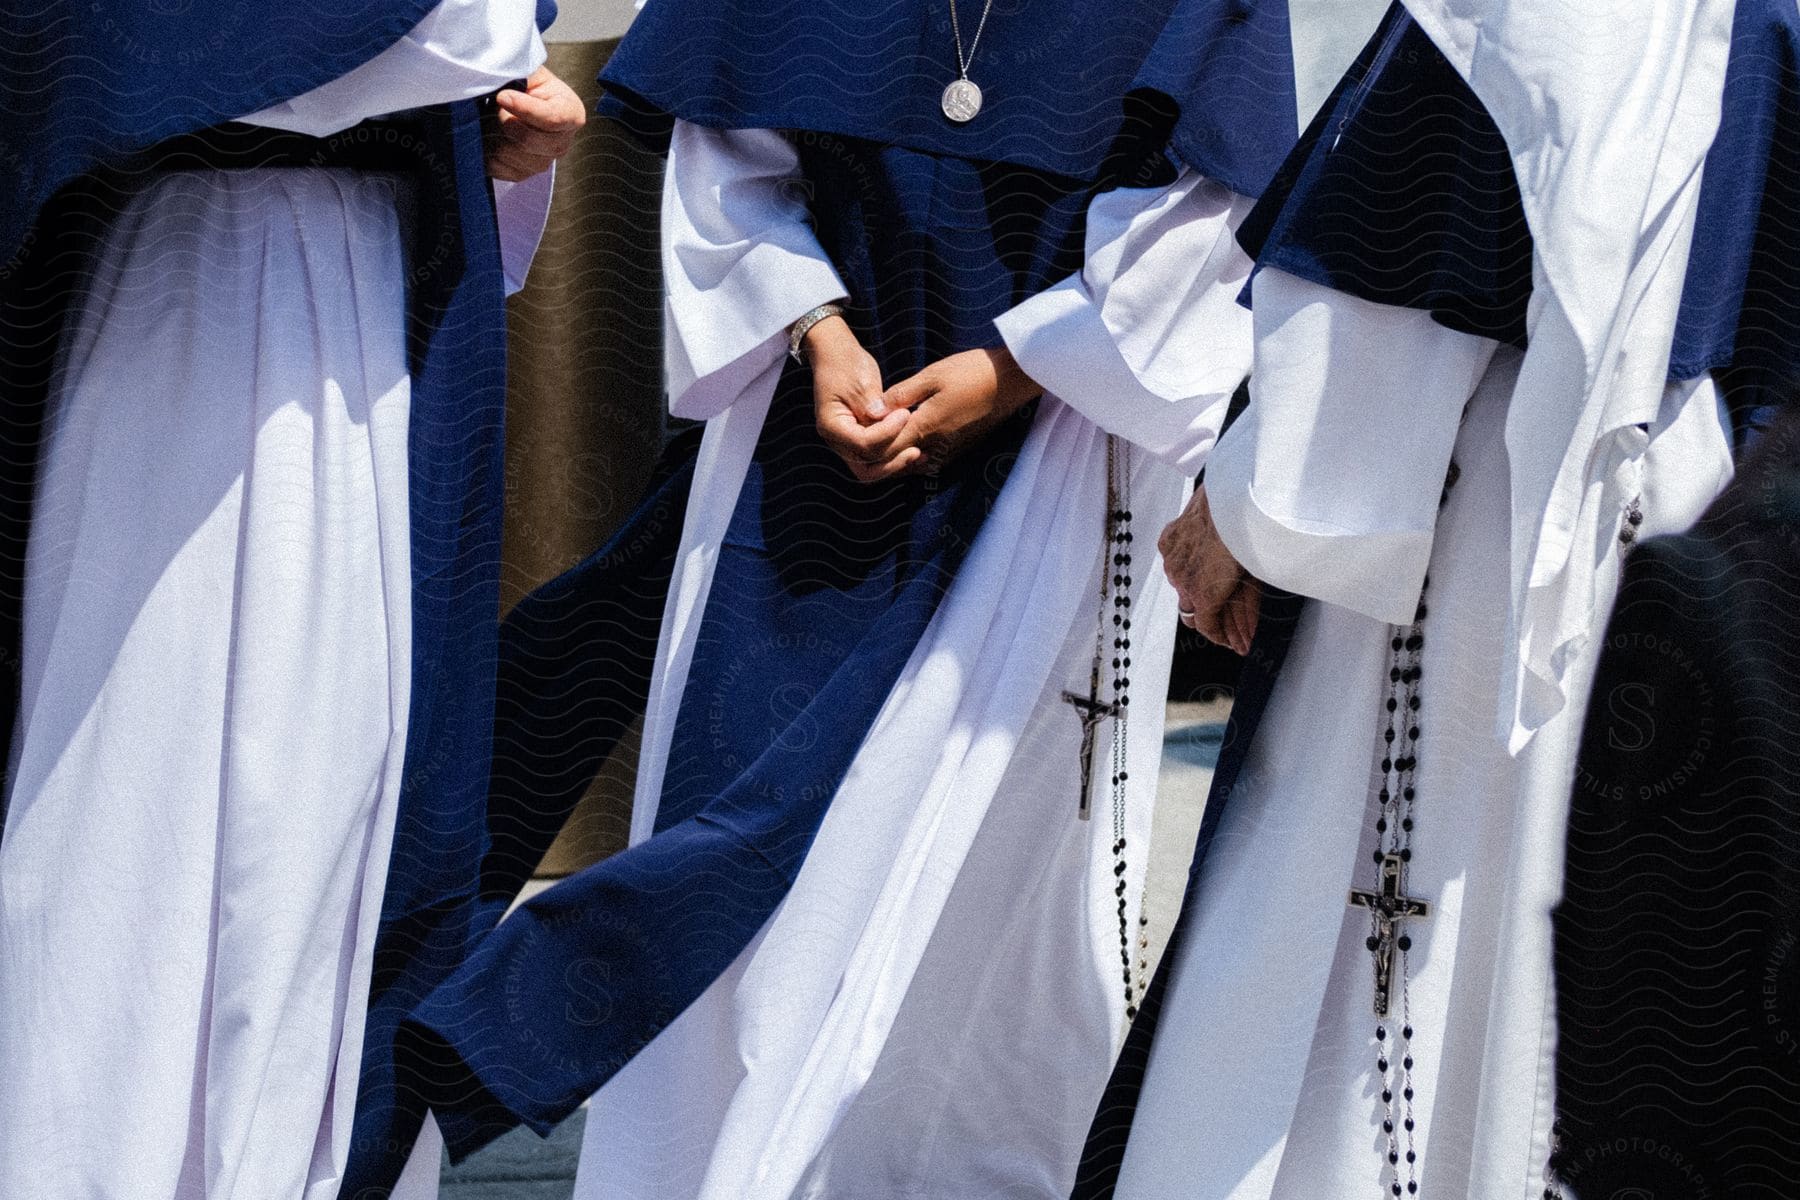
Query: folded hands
x=920, y=423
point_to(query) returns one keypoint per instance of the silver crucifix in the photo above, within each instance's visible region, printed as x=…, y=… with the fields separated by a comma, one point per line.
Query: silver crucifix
x=1090, y=711
x=1389, y=911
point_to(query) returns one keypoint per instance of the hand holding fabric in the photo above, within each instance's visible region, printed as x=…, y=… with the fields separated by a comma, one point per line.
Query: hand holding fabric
x=1218, y=598
x=847, y=403
x=537, y=126
x=953, y=403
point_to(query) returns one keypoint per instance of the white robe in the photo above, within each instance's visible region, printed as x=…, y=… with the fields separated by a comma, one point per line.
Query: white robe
x=933, y=1010
x=217, y=659
x=1261, y=1081
x=1608, y=122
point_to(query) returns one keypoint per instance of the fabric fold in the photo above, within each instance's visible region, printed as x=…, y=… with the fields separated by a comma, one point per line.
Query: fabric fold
x=1141, y=342
x=1608, y=160
x=1328, y=486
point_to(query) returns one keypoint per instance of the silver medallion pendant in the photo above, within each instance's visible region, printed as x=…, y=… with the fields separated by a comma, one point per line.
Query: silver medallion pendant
x=962, y=100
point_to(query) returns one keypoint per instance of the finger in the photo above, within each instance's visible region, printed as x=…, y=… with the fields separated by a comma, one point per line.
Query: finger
x=1210, y=624
x=901, y=464
x=518, y=132
x=1241, y=613
x=1209, y=603
x=910, y=393
x=1233, y=623
x=1184, y=610
x=1249, y=608
x=557, y=110
x=522, y=163
x=505, y=172
x=858, y=443
x=868, y=404
x=912, y=437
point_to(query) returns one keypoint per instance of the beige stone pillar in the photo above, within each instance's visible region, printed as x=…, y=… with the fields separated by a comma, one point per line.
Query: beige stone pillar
x=584, y=401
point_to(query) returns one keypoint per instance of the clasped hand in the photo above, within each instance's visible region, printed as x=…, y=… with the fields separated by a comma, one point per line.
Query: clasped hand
x=536, y=127
x=917, y=425
x=1218, y=598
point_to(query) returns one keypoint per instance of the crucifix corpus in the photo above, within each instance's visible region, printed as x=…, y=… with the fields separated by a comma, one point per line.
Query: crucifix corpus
x=1090, y=712
x=1389, y=911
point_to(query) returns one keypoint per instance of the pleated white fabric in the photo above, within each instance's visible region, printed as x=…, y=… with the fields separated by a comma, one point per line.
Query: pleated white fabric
x=1262, y=1083
x=217, y=677
x=217, y=667
x=934, y=1009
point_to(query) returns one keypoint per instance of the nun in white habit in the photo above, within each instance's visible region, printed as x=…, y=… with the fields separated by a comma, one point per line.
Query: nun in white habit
x=218, y=657
x=1452, y=509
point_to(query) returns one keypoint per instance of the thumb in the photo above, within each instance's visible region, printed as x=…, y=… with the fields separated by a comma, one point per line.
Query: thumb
x=867, y=402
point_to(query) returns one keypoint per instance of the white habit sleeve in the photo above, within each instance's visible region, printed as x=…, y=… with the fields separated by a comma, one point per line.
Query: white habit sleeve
x=1328, y=485
x=1148, y=341
x=462, y=49
x=740, y=262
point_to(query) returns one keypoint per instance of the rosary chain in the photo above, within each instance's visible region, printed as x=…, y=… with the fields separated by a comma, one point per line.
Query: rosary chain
x=1393, y=834
x=1116, y=582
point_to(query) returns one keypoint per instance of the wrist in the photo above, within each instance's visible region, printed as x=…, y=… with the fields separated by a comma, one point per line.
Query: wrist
x=827, y=337
x=1013, y=388
x=817, y=330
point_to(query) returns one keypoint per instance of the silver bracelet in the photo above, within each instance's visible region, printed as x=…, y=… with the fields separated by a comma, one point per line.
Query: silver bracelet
x=799, y=329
